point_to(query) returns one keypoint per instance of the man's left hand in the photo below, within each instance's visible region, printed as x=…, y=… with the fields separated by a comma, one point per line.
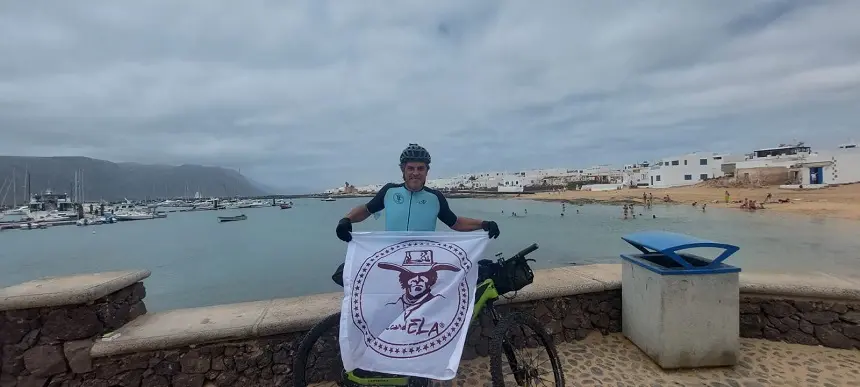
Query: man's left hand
x=491, y=228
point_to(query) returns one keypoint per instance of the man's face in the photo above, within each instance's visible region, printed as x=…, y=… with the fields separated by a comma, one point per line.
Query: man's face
x=415, y=175
x=417, y=286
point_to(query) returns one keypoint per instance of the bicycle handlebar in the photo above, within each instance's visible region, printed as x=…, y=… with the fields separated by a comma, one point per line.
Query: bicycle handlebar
x=526, y=251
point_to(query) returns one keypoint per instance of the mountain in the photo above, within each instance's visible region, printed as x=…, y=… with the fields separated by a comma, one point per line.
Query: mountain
x=286, y=190
x=115, y=181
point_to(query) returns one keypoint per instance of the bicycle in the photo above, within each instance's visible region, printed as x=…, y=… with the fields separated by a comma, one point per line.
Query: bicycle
x=494, y=279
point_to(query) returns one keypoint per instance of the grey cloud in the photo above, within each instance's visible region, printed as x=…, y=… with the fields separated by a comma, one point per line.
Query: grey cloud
x=314, y=93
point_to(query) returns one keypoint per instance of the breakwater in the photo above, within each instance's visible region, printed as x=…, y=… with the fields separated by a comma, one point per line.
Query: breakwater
x=93, y=330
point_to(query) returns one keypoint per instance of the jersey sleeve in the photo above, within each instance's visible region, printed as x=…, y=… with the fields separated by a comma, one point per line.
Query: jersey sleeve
x=377, y=203
x=445, y=214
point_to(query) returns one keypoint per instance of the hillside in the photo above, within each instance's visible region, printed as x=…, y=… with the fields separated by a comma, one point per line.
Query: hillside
x=115, y=181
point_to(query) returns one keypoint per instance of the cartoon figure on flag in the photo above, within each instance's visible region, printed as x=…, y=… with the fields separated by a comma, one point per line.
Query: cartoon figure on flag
x=417, y=286
x=408, y=297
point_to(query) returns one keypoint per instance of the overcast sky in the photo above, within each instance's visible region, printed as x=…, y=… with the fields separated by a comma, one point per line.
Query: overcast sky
x=318, y=92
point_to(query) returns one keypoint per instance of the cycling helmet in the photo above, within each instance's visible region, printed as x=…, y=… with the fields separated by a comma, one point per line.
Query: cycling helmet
x=414, y=152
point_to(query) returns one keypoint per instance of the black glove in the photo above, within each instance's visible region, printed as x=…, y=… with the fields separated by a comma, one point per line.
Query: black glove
x=344, y=228
x=491, y=227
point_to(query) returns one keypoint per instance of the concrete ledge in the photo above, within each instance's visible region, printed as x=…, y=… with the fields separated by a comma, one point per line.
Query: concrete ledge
x=184, y=327
x=815, y=285
x=554, y=283
x=68, y=290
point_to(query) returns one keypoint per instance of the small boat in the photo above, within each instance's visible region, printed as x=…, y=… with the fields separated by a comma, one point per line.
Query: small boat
x=286, y=206
x=232, y=218
x=328, y=199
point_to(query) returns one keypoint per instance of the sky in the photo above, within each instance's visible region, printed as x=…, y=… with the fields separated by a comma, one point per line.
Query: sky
x=315, y=93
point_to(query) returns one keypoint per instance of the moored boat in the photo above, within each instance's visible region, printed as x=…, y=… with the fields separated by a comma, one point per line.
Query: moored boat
x=232, y=218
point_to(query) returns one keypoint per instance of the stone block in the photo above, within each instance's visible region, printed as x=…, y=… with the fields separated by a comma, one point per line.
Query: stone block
x=78, y=355
x=684, y=321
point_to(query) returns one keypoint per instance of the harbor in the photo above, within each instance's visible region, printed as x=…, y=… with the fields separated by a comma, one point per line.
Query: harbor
x=201, y=261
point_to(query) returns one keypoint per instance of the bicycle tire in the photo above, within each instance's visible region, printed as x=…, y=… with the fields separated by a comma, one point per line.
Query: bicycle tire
x=301, y=360
x=496, y=352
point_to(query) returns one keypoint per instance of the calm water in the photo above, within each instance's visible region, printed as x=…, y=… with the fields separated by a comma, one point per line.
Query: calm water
x=196, y=261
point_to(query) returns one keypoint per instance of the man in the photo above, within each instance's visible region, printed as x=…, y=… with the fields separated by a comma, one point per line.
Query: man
x=410, y=206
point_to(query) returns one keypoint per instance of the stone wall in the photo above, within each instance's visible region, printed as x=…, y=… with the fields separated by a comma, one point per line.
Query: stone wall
x=763, y=176
x=38, y=345
x=268, y=361
x=51, y=346
x=827, y=323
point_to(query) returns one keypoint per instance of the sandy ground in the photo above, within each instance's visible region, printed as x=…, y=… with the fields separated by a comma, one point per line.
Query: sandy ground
x=613, y=360
x=838, y=202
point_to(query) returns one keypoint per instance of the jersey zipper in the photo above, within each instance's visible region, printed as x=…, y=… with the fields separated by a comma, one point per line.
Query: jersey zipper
x=409, y=213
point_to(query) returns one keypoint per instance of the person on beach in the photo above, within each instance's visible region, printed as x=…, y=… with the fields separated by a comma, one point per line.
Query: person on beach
x=728, y=197
x=625, y=211
x=410, y=206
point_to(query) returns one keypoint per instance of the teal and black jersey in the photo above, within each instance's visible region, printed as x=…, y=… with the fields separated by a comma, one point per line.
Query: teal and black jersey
x=411, y=211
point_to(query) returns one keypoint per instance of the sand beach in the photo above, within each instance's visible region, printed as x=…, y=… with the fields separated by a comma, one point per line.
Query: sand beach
x=836, y=202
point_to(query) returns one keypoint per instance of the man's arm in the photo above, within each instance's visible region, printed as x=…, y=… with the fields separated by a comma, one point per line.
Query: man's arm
x=358, y=214
x=467, y=224
x=363, y=211
x=456, y=223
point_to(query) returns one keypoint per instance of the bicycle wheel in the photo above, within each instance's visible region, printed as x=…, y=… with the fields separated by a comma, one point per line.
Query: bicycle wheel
x=511, y=360
x=317, y=361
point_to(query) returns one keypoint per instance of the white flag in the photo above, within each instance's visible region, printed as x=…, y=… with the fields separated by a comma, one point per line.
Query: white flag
x=409, y=300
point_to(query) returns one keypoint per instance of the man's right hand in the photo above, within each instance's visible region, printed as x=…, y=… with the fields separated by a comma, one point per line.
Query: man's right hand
x=344, y=229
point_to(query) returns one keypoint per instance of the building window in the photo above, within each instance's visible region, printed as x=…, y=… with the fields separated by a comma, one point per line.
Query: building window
x=688, y=177
x=658, y=177
x=685, y=162
x=675, y=162
x=718, y=158
x=703, y=176
x=703, y=161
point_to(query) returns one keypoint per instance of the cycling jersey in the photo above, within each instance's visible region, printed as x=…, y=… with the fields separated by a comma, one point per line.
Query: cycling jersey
x=411, y=211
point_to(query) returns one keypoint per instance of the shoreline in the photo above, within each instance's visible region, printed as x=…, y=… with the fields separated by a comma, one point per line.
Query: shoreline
x=841, y=202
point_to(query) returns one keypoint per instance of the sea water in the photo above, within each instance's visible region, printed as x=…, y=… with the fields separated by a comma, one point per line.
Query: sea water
x=197, y=261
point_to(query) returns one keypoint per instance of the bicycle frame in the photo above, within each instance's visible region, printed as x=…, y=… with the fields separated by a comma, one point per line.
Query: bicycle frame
x=485, y=294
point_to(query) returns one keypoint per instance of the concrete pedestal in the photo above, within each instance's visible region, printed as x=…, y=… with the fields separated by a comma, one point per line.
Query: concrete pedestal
x=681, y=320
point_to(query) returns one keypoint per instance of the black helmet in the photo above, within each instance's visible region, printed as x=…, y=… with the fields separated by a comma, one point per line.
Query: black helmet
x=414, y=152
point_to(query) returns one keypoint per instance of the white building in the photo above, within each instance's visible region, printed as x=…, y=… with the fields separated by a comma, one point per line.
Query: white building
x=635, y=175
x=841, y=166
x=687, y=169
x=769, y=166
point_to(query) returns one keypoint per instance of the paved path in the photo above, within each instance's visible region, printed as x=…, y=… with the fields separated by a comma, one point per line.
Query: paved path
x=614, y=361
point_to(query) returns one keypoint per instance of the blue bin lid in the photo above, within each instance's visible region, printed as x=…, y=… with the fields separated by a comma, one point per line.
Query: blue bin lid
x=669, y=243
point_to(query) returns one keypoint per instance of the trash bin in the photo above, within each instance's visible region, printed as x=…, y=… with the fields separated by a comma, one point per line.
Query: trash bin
x=680, y=309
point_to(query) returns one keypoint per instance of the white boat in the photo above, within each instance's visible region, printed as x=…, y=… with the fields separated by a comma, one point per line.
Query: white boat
x=328, y=199
x=133, y=215
x=251, y=204
x=56, y=206
x=17, y=211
